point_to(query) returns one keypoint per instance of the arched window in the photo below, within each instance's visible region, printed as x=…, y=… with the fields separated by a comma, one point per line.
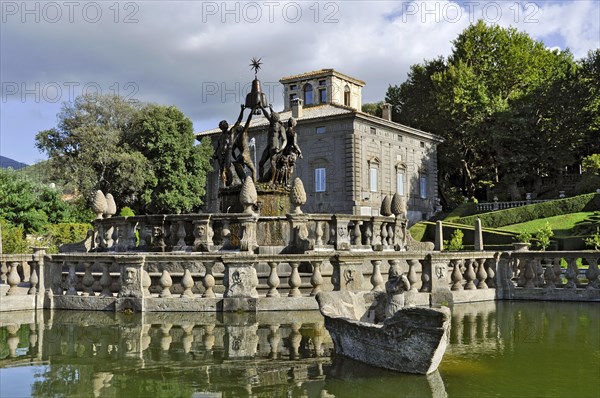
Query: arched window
x=347, y=95
x=308, y=94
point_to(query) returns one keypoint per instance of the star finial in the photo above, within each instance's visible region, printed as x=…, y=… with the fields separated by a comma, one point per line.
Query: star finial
x=255, y=65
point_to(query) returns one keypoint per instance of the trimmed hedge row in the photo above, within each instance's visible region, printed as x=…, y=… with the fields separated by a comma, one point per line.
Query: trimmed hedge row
x=501, y=218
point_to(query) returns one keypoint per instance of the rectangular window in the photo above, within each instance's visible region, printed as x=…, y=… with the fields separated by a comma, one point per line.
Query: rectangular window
x=373, y=179
x=323, y=95
x=373, y=130
x=322, y=82
x=400, y=183
x=320, y=180
x=293, y=87
x=400, y=138
x=423, y=187
x=422, y=144
x=320, y=130
x=293, y=97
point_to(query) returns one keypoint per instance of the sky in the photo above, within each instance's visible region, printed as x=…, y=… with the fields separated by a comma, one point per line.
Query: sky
x=196, y=54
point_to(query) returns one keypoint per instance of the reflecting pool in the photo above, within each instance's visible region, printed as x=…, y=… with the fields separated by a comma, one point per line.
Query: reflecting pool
x=499, y=349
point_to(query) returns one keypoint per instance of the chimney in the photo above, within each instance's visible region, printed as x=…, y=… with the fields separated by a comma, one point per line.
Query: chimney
x=297, y=111
x=386, y=111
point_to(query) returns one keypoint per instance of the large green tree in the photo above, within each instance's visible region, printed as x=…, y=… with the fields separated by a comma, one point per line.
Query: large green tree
x=143, y=154
x=510, y=110
x=177, y=179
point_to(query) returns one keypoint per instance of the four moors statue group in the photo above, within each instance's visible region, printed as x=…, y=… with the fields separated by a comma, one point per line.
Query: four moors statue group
x=276, y=165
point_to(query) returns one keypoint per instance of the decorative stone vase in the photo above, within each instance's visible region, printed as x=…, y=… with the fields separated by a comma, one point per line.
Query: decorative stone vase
x=521, y=246
x=99, y=204
x=298, y=195
x=111, y=207
x=248, y=195
x=386, y=206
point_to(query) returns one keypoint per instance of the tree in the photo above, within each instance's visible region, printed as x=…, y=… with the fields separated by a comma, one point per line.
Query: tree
x=143, y=154
x=86, y=150
x=374, y=108
x=30, y=205
x=178, y=168
x=510, y=110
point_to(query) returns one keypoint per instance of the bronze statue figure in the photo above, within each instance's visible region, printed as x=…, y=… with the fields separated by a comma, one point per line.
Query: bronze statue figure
x=241, y=150
x=276, y=142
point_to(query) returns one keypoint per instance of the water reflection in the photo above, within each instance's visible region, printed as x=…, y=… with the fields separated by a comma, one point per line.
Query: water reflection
x=502, y=348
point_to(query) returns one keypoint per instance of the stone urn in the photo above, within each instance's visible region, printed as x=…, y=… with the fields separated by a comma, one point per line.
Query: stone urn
x=521, y=246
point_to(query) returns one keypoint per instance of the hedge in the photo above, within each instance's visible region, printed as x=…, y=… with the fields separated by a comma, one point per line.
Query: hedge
x=501, y=218
x=13, y=238
x=58, y=234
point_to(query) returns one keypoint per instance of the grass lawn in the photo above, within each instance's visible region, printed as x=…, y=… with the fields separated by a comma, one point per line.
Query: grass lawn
x=561, y=225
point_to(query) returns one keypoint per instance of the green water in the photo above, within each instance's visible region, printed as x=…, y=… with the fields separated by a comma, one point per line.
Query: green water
x=502, y=349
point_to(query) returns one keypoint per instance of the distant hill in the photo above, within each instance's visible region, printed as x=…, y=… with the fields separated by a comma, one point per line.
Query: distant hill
x=5, y=163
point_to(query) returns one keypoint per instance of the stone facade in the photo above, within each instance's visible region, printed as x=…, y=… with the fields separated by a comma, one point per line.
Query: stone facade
x=351, y=159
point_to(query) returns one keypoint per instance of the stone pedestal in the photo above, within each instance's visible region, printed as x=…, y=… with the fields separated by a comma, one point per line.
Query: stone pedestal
x=271, y=201
x=240, y=280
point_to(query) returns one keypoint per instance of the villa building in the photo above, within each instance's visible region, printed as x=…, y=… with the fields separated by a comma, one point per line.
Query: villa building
x=351, y=159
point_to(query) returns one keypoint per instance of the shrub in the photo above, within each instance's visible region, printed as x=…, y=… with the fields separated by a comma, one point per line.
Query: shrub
x=58, y=234
x=524, y=237
x=13, y=238
x=501, y=218
x=543, y=236
x=456, y=241
x=594, y=240
x=126, y=212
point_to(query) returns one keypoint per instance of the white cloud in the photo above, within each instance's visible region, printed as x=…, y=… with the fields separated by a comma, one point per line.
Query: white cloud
x=176, y=51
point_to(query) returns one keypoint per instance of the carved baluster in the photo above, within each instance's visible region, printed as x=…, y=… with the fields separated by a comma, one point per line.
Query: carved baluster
x=294, y=280
x=181, y=234
x=226, y=235
x=539, y=272
x=316, y=279
x=491, y=273
x=188, y=283
x=130, y=238
x=456, y=275
x=105, y=281
x=357, y=233
x=146, y=282
x=425, y=279
x=165, y=283
x=549, y=277
x=571, y=273
x=592, y=273
x=368, y=233
x=208, y=281
x=530, y=267
x=88, y=280
x=384, y=233
x=72, y=281
x=33, y=279
x=412, y=274
x=3, y=272
x=108, y=236
x=13, y=279
x=319, y=233
x=390, y=234
x=376, y=278
x=273, y=280
x=481, y=274
x=469, y=275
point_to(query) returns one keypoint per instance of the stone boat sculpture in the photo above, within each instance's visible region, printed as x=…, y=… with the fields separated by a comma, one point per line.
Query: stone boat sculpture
x=412, y=340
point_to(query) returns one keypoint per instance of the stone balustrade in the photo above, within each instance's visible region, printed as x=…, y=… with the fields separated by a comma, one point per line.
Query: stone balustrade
x=244, y=281
x=550, y=275
x=21, y=275
x=493, y=206
x=296, y=233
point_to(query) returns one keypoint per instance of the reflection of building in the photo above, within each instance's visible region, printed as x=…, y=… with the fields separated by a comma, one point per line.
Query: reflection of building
x=351, y=159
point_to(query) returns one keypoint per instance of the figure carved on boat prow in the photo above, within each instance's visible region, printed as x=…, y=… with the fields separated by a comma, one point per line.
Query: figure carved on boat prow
x=395, y=288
